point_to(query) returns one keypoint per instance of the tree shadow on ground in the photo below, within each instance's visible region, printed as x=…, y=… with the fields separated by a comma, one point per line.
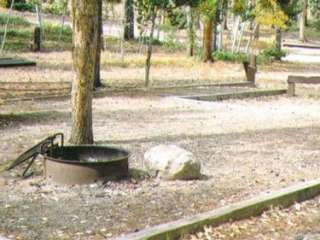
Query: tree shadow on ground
x=14, y=119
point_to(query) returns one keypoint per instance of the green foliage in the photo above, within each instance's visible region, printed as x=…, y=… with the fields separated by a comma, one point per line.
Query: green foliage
x=52, y=32
x=17, y=33
x=57, y=7
x=314, y=6
x=316, y=24
x=270, y=13
x=145, y=40
x=24, y=7
x=229, y=56
x=239, y=7
x=3, y=3
x=273, y=53
x=13, y=21
x=208, y=8
x=177, y=18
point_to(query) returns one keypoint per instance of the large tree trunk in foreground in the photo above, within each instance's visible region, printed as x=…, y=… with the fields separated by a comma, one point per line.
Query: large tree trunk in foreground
x=97, y=77
x=207, y=39
x=85, y=37
x=129, y=20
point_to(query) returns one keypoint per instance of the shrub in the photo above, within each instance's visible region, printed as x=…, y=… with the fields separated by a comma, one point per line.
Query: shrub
x=145, y=40
x=273, y=53
x=229, y=56
x=24, y=7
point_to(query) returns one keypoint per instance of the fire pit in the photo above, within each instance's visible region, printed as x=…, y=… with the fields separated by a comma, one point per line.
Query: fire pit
x=77, y=164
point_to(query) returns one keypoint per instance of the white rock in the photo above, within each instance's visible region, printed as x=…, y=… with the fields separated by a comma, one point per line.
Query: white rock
x=172, y=162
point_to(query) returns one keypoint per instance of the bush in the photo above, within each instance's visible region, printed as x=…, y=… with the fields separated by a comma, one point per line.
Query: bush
x=145, y=40
x=24, y=7
x=229, y=56
x=273, y=53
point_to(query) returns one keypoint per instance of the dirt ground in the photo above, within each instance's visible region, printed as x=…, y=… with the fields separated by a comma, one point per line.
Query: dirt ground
x=246, y=147
x=299, y=222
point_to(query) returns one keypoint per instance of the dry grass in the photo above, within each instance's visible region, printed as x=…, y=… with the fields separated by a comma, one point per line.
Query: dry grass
x=173, y=69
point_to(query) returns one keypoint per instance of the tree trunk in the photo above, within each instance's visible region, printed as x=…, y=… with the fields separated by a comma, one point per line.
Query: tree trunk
x=225, y=14
x=97, y=77
x=207, y=39
x=149, y=51
x=191, y=30
x=85, y=37
x=278, y=40
x=257, y=32
x=129, y=20
x=302, y=21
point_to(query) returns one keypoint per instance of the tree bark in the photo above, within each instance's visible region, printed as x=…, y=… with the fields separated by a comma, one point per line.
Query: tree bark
x=257, y=32
x=97, y=77
x=207, y=39
x=278, y=40
x=85, y=38
x=149, y=51
x=302, y=21
x=191, y=30
x=225, y=15
x=129, y=20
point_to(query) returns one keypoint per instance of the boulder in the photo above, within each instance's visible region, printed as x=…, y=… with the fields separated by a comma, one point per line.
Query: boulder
x=172, y=163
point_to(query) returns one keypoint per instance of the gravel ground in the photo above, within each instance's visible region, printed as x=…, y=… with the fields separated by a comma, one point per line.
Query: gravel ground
x=246, y=147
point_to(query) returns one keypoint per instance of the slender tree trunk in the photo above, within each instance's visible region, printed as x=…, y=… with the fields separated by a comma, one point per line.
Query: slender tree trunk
x=225, y=14
x=207, y=39
x=97, y=77
x=149, y=51
x=129, y=20
x=257, y=32
x=302, y=21
x=85, y=37
x=278, y=40
x=221, y=33
x=191, y=30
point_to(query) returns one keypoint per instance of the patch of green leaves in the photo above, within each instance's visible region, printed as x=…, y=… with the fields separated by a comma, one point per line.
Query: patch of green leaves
x=229, y=56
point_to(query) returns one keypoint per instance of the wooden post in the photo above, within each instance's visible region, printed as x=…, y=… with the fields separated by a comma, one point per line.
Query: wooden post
x=250, y=68
x=37, y=39
x=291, y=89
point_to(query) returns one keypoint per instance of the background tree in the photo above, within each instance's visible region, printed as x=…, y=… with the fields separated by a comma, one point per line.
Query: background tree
x=208, y=10
x=271, y=13
x=97, y=76
x=129, y=19
x=85, y=37
x=303, y=20
x=147, y=11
